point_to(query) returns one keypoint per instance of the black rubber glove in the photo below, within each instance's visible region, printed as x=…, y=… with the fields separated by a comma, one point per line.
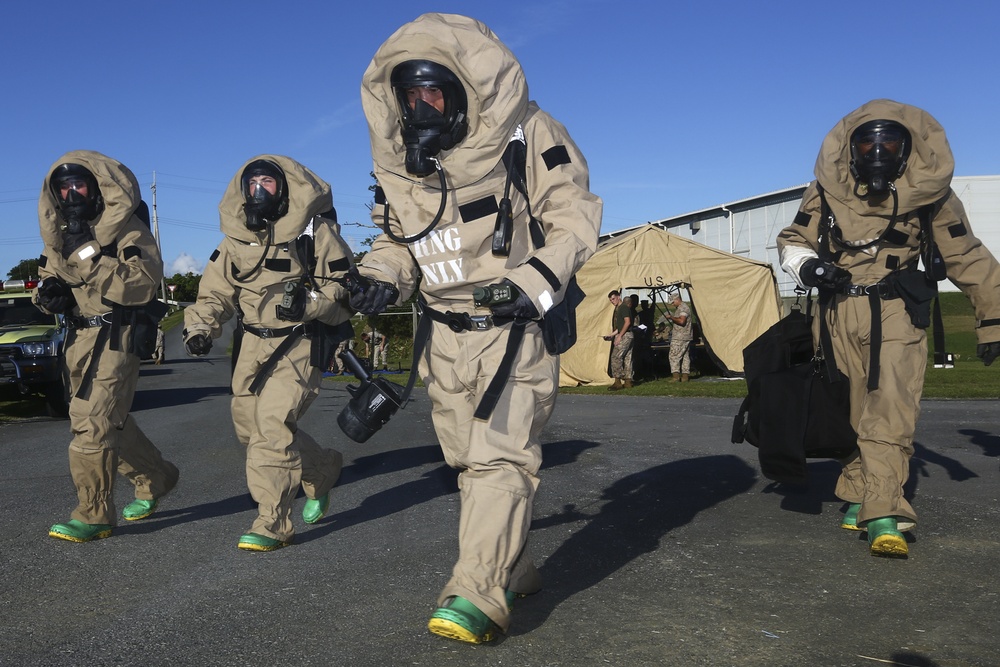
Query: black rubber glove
x=55, y=296
x=293, y=305
x=988, y=352
x=198, y=345
x=823, y=275
x=72, y=241
x=367, y=295
x=522, y=307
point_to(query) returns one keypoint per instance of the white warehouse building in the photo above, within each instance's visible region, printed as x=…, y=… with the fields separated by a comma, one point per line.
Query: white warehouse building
x=749, y=227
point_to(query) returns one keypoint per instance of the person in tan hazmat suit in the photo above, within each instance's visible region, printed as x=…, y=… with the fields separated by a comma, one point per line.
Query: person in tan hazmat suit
x=882, y=174
x=276, y=271
x=100, y=269
x=444, y=97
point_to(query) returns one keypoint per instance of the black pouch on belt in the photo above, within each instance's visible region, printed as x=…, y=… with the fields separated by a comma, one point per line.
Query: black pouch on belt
x=324, y=339
x=144, y=322
x=917, y=291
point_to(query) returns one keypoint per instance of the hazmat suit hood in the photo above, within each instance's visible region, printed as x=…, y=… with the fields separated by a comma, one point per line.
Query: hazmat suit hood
x=494, y=85
x=928, y=172
x=119, y=189
x=308, y=196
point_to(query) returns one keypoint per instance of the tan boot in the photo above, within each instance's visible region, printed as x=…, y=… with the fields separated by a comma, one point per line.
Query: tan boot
x=675, y=378
x=616, y=386
x=628, y=384
x=685, y=377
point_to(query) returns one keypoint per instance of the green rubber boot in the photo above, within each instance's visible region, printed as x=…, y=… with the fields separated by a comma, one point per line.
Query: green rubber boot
x=461, y=620
x=255, y=542
x=850, y=520
x=78, y=531
x=138, y=509
x=884, y=538
x=315, y=508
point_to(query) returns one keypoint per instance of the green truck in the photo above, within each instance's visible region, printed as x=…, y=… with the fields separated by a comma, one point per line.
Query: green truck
x=31, y=348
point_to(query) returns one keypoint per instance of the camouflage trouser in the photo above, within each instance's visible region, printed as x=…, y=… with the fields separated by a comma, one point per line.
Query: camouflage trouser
x=621, y=358
x=680, y=360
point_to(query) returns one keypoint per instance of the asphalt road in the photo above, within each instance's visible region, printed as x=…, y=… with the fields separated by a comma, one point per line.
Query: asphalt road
x=658, y=540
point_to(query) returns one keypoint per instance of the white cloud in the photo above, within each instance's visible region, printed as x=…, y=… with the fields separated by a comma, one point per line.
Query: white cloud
x=185, y=263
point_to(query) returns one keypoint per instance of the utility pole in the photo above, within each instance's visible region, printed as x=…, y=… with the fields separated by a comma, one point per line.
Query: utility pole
x=156, y=235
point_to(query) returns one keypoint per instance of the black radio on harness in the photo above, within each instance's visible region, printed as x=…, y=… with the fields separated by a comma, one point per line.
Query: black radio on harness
x=493, y=295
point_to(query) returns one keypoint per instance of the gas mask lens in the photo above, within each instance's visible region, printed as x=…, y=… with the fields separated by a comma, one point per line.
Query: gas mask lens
x=71, y=188
x=880, y=145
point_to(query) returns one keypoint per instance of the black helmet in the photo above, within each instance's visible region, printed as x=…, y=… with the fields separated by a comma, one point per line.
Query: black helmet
x=260, y=205
x=879, y=150
x=75, y=207
x=426, y=130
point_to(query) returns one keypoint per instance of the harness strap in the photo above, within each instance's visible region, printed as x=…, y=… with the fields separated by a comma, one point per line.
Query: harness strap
x=489, y=401
x=420, y=338
x=455, y=321
x=934, y=265
x=88, y=375
x=875, y=303
x=272, y=361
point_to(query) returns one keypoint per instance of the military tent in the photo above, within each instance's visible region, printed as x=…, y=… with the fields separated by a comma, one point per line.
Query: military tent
x=736, y=299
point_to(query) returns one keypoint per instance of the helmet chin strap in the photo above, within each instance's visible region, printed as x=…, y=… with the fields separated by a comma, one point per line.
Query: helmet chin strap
x=434, y=223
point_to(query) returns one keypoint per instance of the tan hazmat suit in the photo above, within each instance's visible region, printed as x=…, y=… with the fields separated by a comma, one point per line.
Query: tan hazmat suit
x=120, y=267
x=280, y=456
x=498, y=457
x=885, y=418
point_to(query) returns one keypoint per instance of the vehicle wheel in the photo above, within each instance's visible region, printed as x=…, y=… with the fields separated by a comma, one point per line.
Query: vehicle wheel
x=56, y=399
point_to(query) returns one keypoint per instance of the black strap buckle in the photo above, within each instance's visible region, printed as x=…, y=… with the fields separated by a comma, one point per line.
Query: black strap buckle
x=458, y=322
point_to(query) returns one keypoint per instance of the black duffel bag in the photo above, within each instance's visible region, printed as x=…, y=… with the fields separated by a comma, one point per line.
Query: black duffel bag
x=795, y=408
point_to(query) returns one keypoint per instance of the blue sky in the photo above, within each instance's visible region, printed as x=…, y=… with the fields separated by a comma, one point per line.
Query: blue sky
x=677, y=106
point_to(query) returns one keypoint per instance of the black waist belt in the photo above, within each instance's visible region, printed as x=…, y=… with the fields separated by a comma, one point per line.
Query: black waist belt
x=266, y=332
x=75, y=322
x=464, y=322
x=882, y=289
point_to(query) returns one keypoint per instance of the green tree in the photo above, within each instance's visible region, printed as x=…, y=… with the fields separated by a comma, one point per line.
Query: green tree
x=25, y=269
x=185, y=286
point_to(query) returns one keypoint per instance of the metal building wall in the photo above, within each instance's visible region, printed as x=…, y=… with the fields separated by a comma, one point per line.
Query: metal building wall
x=750, y=227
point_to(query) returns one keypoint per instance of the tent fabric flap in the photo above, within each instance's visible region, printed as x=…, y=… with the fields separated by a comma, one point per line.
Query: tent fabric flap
x=736, y=299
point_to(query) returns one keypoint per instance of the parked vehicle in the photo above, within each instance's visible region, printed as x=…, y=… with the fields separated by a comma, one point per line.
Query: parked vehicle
x=32, y=348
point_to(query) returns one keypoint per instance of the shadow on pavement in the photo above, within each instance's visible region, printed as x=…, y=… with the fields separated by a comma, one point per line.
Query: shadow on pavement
x=637, y=511
x=922, y=456
x=164, y=518
x=911, y=660
x=990, y=442
x=151, y=399
x=438, y=482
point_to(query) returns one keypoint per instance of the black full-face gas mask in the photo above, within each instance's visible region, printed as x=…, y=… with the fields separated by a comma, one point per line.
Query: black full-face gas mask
x=79, y=198
x=879, y=151
x=262, y=207
x=427, y=130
